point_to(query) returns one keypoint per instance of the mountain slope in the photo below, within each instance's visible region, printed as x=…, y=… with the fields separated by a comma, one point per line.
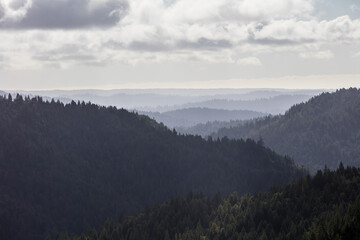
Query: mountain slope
x=68, y=167
x=323, y=131
x=192, y=116
x=326, y=206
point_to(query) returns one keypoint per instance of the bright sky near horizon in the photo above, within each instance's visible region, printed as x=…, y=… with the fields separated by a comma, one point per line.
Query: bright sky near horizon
x=71, y=44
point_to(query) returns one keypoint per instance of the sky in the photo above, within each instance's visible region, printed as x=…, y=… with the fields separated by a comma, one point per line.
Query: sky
x=109, y=44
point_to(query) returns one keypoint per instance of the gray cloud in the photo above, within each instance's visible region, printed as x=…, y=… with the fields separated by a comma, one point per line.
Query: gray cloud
x=17, y=4
x=74, y=57
x=114, y=45
x=158, y=46
x=152, y=31
x=200, y=44
x=205, y=43
x=2, y=12
x=2, y=61
x=151, y=47
x=67, y=14
x=278, y=42
x=71, y=52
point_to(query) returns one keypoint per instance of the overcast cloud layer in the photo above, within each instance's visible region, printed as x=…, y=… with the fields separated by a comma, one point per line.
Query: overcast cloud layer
x=42, y=34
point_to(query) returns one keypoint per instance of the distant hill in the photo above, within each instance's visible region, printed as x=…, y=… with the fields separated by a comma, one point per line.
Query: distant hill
x=273, y=105
x=323, y=131
x=131, y=101
x=326, y=206
x=189, y=117
x=207, y=129
x=257, y=94
x=162, y=100
x=68, y=167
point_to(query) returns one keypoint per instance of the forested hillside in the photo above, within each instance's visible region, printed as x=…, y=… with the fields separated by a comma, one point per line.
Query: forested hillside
x=326, y=206
x=323, y=131
x=69, y=167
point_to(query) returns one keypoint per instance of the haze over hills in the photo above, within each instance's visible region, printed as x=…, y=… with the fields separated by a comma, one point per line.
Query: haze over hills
x=68, y=167
x=161, y=100
x=273, y=105
x=323, y=131
x=207, y=129
x=189, y=117
x=196, y=118
x=240, y=93
x=171, y=106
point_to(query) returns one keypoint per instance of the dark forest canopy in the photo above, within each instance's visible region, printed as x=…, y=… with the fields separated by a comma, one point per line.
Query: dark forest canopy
x=326, y=206
x=323, y=131
x=68, y=167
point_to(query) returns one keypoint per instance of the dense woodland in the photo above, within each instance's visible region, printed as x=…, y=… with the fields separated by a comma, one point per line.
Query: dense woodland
x=323, y=131
x=325, y=206
x=69, y=167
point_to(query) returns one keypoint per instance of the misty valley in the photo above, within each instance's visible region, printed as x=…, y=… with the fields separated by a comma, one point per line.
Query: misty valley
x=179, y=120
x=73, y=167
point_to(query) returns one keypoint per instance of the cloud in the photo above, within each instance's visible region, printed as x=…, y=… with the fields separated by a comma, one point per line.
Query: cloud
x=13, y=10
x=317, y=55
x=2, y=61
x=249, y=61
x=61, y=14
x=204, y=43
x=205, y=11
x=298, y=32
x=71, y=54
x=65, y=14
x=34, y=33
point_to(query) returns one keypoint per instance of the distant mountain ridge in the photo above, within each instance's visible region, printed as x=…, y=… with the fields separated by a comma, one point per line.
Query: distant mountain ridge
x=68, y=167
x=162, y=100
x=273, y=105
x=189, y=117
x=323, y=131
